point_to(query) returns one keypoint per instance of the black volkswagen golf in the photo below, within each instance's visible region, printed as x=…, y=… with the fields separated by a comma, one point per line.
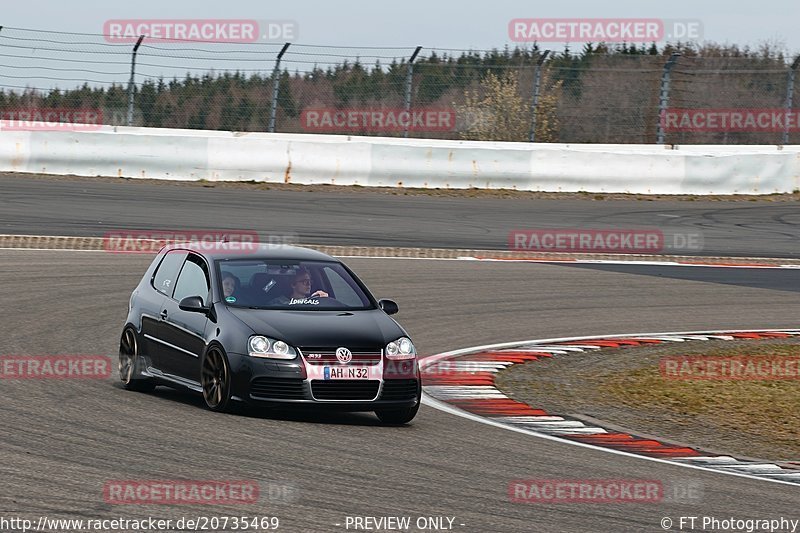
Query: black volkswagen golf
x=268, y=325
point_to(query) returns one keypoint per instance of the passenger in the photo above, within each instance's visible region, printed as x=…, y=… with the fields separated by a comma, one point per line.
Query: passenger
x=230, y=284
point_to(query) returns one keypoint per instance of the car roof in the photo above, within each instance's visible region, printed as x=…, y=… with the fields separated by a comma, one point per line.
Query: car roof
x=233, y=250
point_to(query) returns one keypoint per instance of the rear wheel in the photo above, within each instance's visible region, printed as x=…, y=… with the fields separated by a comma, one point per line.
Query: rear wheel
x=215, y=378
x=129, y=360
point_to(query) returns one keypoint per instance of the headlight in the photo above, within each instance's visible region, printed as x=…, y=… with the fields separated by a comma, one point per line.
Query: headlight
x=280, y=347
x=260, y=346
x=402, y=348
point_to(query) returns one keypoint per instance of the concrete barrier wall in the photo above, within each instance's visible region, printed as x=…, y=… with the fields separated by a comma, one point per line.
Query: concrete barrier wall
x=383, y=161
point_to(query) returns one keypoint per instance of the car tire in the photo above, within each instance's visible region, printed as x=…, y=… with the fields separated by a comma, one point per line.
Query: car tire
x=215, y=380
x=397, y=417
x=129, y=360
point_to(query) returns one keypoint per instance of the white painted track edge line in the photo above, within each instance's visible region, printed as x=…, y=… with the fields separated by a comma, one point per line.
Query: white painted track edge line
x=425, y=361
x=60, y=250
x=633, y=262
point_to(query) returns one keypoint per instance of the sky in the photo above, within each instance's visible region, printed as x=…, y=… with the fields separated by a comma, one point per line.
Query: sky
x=432, y=24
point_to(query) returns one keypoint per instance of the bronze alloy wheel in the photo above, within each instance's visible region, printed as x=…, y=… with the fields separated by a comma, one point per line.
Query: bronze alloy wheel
x=128, y=360
x=215, y=379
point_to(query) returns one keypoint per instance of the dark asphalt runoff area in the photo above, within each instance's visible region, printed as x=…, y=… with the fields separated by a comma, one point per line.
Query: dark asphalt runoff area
x=61, y=441
x=37, y=205
x=783, y=279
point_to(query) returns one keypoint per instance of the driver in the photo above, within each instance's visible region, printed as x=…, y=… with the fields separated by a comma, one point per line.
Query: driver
x=300, y=288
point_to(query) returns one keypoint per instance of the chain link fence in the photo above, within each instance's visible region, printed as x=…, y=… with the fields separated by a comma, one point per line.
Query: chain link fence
x=625, y=95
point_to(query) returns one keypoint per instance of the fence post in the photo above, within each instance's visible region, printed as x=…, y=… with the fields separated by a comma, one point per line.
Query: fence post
x=789, y=98
x=131, y=82
x=663, y=98
x=276, y=80
x=409, y=76
x=537, y=79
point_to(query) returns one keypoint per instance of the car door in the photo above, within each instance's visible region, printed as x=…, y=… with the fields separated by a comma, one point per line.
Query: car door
x=183, y=332
x=162, y=285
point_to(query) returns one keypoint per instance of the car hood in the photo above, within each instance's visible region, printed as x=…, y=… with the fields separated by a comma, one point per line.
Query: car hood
x=352, y=329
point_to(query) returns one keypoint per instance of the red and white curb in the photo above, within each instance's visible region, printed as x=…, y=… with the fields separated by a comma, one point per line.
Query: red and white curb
x=462, y=383
x=137, y=245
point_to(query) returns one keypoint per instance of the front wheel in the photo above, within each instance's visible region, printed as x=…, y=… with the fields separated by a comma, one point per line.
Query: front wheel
x=397, y=416
x=215, y=378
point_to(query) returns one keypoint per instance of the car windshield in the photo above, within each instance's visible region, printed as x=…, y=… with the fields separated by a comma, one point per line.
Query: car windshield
x=286, y=284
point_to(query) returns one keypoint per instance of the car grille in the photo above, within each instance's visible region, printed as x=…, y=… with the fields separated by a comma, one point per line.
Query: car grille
x=399, y=389
x=345, y=389
x=281, y=388
x=327, y=356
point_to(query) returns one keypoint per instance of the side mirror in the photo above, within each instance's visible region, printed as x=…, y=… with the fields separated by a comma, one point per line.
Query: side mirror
x=193, y=304
x=389, y=306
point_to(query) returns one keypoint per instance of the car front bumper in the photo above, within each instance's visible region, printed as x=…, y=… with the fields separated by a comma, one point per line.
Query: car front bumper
x=286, y=383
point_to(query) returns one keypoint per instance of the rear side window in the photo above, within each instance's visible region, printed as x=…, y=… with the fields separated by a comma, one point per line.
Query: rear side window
x=193, y=280
x=167, y=272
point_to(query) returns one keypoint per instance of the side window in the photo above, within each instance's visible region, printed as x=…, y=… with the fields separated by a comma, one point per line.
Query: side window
x=193, y=280
x=342, y=290
x=167, y=272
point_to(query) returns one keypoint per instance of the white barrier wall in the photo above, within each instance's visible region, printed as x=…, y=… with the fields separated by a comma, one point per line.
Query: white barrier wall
x=382, y=161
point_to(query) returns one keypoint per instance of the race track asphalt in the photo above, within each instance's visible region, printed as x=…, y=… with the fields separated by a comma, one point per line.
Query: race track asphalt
x=42, y=205
x=63, y=440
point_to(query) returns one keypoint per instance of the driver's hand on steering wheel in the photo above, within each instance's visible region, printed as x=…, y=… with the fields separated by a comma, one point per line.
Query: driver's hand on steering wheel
x=319, y=294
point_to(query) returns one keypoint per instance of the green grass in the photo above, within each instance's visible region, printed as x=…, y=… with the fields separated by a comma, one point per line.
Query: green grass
x=767, y=408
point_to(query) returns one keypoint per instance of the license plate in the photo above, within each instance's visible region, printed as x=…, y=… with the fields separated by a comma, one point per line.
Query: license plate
x=345, y=372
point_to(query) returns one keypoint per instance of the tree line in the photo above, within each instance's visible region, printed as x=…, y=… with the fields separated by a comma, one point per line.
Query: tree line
x=601, y=93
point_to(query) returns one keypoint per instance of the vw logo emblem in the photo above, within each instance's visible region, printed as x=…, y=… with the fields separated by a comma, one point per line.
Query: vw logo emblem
x=343, y=355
